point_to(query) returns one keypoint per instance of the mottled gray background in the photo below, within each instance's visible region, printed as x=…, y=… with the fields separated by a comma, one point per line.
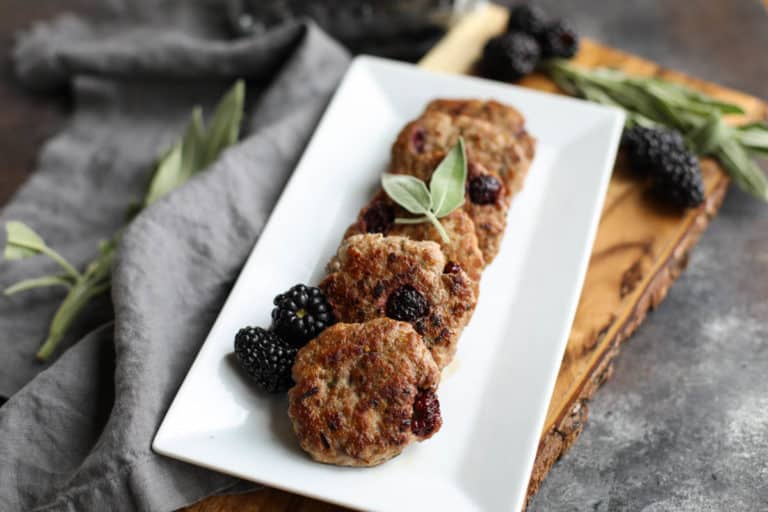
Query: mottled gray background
x=683, y=423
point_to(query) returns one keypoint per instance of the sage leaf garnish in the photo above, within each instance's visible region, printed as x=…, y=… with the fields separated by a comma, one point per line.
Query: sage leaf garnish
x=194, y=152
x=447, y=183
x=409, y=192
x=652, y=101
x=444, y=195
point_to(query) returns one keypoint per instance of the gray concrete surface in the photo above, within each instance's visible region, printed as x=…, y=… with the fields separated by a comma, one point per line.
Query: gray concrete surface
x=683, y=423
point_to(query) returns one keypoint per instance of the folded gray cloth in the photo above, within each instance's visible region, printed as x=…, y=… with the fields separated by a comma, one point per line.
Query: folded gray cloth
x=77, y=435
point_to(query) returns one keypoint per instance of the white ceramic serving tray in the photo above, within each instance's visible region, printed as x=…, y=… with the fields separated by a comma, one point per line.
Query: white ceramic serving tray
x=494, y=396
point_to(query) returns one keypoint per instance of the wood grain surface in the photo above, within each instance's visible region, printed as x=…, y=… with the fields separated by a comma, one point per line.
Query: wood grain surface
x=639, y=251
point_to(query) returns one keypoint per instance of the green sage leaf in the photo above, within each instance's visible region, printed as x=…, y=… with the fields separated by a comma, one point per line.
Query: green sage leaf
x=409, y=192
x=744, y=171
x=22, y=241
x=709, y=135
x=192, y=145
x=447, y=186
x=692, y=99
x=225, y=125
x=167, y=175
x=753, y=136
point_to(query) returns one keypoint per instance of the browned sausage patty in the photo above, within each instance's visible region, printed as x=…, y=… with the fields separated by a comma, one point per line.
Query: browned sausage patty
x=379, y=215
x=374, y=276
x=363, y=393
x=424, y=141
x=498, y=114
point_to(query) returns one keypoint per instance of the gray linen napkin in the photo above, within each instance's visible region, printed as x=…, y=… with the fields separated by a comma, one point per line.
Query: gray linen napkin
x=76, y=435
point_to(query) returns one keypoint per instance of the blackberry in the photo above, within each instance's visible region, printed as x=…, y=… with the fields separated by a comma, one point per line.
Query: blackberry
x=645, y=146
x=509, y=57
x=484, y=189
x=559, y=40
x=677, y=180
x=266, y=358
x=407, y=304
x=378, y=218
x=528, y=19
x=426, y=413
x=300, y=314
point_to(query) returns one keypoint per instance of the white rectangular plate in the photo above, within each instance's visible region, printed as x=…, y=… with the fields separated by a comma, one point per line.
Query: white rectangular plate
x=494, y=397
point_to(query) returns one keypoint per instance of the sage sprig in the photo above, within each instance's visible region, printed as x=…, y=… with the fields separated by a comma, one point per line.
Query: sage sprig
x=444, y=195
x=191, y=154
x=652, y=101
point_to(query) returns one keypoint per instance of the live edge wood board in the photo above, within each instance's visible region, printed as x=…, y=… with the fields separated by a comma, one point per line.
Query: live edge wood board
x=638, y=253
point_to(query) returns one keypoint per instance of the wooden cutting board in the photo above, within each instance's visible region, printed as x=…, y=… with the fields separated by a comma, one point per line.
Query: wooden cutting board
x=638, y=253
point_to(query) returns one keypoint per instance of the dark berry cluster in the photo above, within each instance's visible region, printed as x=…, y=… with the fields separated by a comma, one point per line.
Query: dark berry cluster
x=645, y=146
x=529, y=38
x=509, y=57
x=661, y=154
x=300, y=314
x=267, y=356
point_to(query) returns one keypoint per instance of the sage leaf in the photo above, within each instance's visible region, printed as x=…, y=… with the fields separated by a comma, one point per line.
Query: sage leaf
x=709, y=135
x=198, y=148
x=225, y=125
x=692, y=99
x=409, y=192
x=39, y=282
x=744, y=171
x=21, y=241
x=753, y=136
x=447, y=183
x=166, y=176
x=192, y=145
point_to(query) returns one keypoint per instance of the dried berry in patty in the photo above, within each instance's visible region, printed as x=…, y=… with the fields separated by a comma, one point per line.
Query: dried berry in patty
x=300, y=314
x=484, y=189
x=451, y=268
x=426, y=413
x=378, y=218
x=266, y=358
x=418, y=138
x=407, y=304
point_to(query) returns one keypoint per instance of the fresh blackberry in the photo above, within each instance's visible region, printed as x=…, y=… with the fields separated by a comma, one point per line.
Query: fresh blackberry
x=559, y=40
x=266, y=358
x=300, y=314
x=677, y=180
x=645, y=146
x=407, y=304
x=484, y=189
x=528, y=19
x=509, y=57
